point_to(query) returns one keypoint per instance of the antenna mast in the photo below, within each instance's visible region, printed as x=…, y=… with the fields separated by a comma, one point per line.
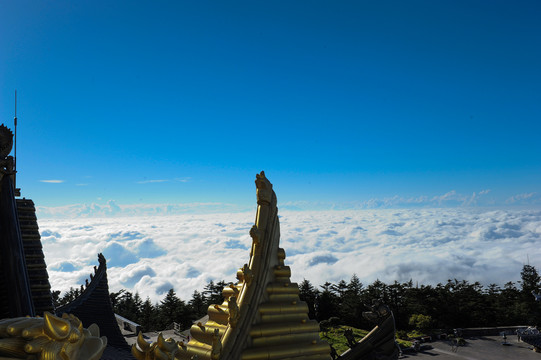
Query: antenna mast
x=15, y=145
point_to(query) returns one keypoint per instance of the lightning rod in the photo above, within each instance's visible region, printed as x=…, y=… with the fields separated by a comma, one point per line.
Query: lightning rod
x=15, y=145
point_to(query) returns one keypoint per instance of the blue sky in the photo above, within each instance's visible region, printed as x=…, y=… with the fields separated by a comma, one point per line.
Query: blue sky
x=339, y=102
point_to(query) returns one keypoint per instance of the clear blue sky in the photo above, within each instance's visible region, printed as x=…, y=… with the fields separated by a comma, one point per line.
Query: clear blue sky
x=338, y=101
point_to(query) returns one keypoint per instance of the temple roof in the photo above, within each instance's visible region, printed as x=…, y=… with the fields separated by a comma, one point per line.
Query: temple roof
x=262, y=316
x=94, y=306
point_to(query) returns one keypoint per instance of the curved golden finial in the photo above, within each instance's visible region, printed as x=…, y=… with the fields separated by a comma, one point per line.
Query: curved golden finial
x=50, y=338
x=146, y=348
x=264, y=189
x=161, y=349
x=216, y=345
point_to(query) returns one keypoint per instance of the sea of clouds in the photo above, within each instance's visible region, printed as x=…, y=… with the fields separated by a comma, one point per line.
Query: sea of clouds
x=152, y=254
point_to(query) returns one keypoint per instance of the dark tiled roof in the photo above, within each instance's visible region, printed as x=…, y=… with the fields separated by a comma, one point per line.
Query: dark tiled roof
x=35, y=260
x=94, y=306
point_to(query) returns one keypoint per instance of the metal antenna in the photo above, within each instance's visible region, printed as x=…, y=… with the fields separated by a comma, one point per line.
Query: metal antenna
x=15, y=145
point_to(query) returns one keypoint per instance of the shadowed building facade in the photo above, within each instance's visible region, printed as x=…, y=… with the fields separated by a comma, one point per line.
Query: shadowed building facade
x=24, y=281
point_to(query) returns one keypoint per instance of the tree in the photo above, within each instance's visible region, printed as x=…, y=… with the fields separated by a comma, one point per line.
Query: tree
x=198, y=304
x=420, y=321
x=213, y=292
x=115, y=297
x=327, y=303
x=309, y=294
x=55, y=294
x=340, y=288
x=351, y=306
x=148, y=317
x=127, y=304
x=355, y=286
x=68, y=297
x=530, y=280
x=172, y=309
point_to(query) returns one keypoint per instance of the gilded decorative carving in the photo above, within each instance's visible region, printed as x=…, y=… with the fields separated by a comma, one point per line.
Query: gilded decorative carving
x=255, y=234
x=6, y=141
x=262, y=316
x=245, y=274
x=50, y=338
x=216, y=345
x=6, y=144
x=233, y=311
x=162, y=349
x=264, y=189
x=234, y=288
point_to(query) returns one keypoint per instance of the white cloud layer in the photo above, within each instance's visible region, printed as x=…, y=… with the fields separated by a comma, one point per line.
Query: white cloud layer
x=152, y=254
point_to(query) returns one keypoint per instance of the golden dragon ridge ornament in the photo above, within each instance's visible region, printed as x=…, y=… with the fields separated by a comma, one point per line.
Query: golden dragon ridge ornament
x=50, y=338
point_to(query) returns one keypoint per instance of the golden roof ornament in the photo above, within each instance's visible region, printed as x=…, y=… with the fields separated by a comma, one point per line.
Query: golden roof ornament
x=6, y=141
x=50, y=338
x=262, y=316
x=264, y=189
x=7, y=166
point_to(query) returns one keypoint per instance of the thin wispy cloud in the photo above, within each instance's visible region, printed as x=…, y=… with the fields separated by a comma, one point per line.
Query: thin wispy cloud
x=152, y=181
x=448, y=199
x=52, y=181
x=112, y=209
x=81, y=184
x=525, y=199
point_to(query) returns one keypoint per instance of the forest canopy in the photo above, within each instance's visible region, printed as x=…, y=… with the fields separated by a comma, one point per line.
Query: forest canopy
x=454, y=304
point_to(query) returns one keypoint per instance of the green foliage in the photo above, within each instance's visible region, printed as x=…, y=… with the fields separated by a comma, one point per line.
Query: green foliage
x=148, y=317
x=68, y=297
x=161, y=315
x=335, y=337
x=327, y=304
x=414, y=334
x=213, y=293
x=420, y=321
x=403, y=343
x=530, y=279
x=454, y=304
x=309, y=294
x=198, y=304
